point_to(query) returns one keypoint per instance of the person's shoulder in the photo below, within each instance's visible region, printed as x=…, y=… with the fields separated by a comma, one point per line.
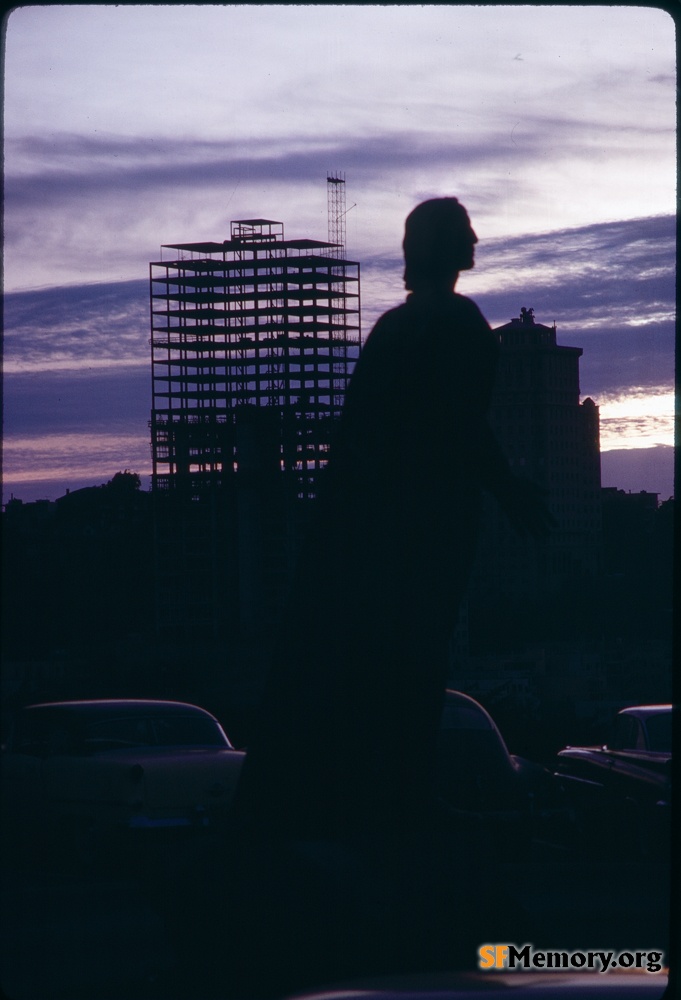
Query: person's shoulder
x=464, y=333
x=394, y=315
x=388, y=324
x=462, y=301
x=466, y=307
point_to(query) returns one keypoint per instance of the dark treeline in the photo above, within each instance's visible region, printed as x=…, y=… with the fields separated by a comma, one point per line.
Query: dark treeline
x=78, y=598
x=77, y=573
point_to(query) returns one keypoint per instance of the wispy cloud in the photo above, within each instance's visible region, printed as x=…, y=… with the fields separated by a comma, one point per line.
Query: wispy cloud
x=68, y=171
x=76, y=165
x=48, y=465
x=642, y=418
x=81, y=326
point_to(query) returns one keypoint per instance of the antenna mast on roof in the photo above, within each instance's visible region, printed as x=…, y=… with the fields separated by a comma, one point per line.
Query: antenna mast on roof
x=335, y=198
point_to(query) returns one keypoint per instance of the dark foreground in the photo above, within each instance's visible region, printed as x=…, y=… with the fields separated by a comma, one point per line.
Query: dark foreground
x=212, y=919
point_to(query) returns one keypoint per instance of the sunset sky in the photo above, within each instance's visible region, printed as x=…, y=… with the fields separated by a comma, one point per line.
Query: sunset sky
x=127, y=127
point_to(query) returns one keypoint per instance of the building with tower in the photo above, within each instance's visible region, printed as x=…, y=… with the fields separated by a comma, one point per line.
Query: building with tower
x=552, y=438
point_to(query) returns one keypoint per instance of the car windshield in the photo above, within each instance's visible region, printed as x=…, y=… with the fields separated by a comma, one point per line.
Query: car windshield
x=660, y=732
x=153, y=731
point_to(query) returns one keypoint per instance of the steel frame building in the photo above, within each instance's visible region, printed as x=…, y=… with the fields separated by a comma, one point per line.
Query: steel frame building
x=255, y=321
x=252, y=344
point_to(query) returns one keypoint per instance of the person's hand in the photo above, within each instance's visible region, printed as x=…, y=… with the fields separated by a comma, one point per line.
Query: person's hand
x=524, y=503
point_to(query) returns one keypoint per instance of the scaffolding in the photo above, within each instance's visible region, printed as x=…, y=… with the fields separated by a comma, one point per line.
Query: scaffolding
x=335, y=199
x=255, y=322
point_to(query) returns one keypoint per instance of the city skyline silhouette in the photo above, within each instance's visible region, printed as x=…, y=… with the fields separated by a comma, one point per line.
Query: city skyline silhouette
x=584, y=232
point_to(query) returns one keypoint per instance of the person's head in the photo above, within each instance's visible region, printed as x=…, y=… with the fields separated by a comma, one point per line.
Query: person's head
x=438, y=243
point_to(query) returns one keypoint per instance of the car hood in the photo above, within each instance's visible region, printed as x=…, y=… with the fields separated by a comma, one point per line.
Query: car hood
x=656, y=760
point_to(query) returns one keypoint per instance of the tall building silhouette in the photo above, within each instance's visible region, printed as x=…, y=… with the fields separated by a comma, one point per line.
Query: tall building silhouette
x=552, y=439
x=252, y=342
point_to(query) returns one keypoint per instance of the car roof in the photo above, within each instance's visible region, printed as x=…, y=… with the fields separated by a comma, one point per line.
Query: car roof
x=459, y=698
x=104, y=706
x=644, y=710
x=497, y=986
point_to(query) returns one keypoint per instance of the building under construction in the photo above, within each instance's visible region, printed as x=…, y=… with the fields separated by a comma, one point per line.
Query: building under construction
x=253, y=341
x=255, y=321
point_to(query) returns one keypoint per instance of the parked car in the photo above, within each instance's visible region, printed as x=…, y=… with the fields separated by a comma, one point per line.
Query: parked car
x=511, y=797
x=79, y=768
x=87, y=769
x=620, y=791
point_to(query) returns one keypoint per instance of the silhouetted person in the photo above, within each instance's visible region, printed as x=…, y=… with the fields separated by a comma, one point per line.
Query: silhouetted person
x=350, y=716
x=345, y=747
